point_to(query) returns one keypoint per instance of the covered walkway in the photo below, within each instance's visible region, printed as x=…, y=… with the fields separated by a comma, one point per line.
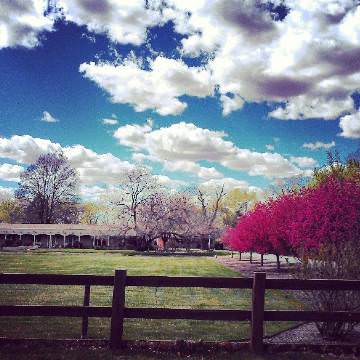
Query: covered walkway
x=61, y=236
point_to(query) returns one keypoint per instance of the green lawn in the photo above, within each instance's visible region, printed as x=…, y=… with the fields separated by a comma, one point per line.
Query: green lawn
x=104, y=263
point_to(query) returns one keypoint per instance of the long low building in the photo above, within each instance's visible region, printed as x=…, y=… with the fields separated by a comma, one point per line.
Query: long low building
x=62, y=236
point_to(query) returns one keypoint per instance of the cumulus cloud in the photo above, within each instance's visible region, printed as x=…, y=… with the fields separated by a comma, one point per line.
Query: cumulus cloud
x=10, y=172
x=201, y=172
x=168, y=182
x=318, y=145
x=92, y=192
x=231, y=183
x=231, y=103
x=350, y=126
x=22, y=22
x=303, y=54
x=303, y=161
x=92, y=167
x=47, y=117
x=6, y=192
x=182, y=145
x=157, y=88
x=132, y=135
x=109, y=121
x=270, y=147
x=26, y=149
x=125, y=22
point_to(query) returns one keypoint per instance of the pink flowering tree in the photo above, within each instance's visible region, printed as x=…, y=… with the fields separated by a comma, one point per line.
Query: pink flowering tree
x=326, y=231
x=281, y=213
x=329, y=215
x=252, y=232
x=301, y=222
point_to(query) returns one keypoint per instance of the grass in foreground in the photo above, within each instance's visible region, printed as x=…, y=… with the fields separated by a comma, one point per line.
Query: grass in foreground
x=105, y=263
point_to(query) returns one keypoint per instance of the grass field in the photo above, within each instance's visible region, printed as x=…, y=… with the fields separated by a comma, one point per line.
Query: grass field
x=63, y=262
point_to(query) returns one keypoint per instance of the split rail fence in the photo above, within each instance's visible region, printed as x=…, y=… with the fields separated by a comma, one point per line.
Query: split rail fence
x=118, y=311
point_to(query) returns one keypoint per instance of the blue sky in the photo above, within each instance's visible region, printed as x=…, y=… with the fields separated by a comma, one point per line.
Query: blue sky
x=207, y=93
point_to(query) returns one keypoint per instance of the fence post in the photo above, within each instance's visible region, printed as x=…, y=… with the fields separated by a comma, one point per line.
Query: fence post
x=257, y=314
x=117, y=313
x=85, y=319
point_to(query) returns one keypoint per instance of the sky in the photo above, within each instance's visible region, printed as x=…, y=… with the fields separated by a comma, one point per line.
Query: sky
x=246, y=93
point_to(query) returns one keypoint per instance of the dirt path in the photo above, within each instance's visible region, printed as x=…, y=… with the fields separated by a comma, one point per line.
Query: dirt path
x=303, y=334
x=247, y=269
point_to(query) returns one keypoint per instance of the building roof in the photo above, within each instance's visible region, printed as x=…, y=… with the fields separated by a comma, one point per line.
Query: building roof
x=64, y=229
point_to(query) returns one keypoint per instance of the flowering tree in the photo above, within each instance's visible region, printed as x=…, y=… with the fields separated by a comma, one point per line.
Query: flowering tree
x=326, y=231
x=301, y=221
x=251, y=232
x=327, y=215
x=281, y=213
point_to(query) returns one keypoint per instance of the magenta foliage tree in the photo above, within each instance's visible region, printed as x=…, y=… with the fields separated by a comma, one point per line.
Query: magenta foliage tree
x=300, y=221
x=328, y=214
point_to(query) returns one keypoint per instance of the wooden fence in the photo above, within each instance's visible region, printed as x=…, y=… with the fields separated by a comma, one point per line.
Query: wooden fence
x=118, y=312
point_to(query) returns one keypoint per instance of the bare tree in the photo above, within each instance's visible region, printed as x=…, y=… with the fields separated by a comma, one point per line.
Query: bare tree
x=136, y=187
x=210, y=203
x=48, y=189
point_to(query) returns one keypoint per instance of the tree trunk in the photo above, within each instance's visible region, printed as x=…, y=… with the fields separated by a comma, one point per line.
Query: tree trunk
x=239, y=256
x=277, y=261
x=251, y=257
x=262, y=259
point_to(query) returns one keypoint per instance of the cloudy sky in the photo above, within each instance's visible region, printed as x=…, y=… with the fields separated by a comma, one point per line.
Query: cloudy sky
x=241, y=92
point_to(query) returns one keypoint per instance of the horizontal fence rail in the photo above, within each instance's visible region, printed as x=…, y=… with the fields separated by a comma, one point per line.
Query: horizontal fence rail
x=118, y=312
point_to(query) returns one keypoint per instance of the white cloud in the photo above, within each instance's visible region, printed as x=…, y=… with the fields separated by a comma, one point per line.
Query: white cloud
x=132, y=135
x=47, y=117
x=305, y=107
x=97, y=172
x=22, y=22
x=231, y=104
x=308, y=61
x=270, y=147
x=125, y=22
x=6, y=193
x=108, y=121
x=92, y=167
x=201, y=172
x=26, y=149
x=350, y=126
x=231, y=183
x=10, y=172
x=303, y=161
x=158, y=88
x=92, y=192
x=318, y=145
x=181, y=145
x=168, y=182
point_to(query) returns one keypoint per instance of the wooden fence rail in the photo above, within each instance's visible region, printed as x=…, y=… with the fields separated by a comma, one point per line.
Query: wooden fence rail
x=118, y=312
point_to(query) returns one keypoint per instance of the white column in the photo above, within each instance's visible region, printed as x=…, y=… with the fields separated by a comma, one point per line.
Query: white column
x=64, y=241
x=108, y=241
x=50, y=244
x=20, y=238
x=94, y=242
x=79, y=236
x=33, y=239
